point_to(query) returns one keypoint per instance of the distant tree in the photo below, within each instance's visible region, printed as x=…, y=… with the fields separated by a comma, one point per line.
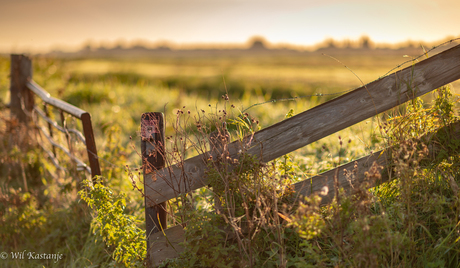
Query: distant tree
x=347, y=43
x=258, y=43
x=365, y=42
x=86, y=48
x=330, y=43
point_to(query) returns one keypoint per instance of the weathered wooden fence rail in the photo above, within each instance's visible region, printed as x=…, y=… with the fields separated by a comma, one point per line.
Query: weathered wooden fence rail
x=381, y=158
x=22, y=106
x=301, y=130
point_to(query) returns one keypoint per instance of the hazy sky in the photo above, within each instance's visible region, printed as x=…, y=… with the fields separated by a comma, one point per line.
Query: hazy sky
x=36, y=25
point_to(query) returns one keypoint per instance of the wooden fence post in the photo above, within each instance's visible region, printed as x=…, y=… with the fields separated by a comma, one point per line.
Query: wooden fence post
x=21, y=97
x=153, y=158
x=90, y=145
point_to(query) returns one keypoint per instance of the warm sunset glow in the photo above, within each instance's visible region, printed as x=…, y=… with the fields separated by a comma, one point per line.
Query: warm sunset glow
x=40, y=25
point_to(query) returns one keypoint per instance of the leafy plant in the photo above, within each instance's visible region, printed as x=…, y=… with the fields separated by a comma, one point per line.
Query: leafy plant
x=117, y=229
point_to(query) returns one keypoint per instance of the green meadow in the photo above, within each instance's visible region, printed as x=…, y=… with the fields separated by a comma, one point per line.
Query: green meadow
x=117, y=91
x=50, y=216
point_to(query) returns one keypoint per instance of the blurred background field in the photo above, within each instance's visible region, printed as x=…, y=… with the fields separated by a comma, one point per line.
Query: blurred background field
x=117, y=90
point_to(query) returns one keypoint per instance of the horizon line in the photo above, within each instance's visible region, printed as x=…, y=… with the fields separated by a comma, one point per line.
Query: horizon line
x=254, y=41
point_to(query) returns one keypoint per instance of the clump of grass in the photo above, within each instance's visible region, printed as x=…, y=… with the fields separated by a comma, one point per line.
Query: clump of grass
x=408, y=221
x=235, y=221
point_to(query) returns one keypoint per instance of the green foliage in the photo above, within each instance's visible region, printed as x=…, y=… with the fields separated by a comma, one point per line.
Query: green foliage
x=39, y=207
x=307, y=219
x=38, y=212
x=206, y=243
x=401, y=223
x=113, y=156
x=248, y=216
x=94, y=94
x=116, y=228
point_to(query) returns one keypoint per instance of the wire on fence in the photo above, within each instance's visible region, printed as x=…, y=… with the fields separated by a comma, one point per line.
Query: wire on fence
x=349, y=90
x=77, y=133
x=80, y=164
x=42, y=114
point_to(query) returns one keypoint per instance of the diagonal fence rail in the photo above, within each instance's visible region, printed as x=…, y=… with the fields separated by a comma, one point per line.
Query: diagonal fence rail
x=316, y=123
x=301, y=130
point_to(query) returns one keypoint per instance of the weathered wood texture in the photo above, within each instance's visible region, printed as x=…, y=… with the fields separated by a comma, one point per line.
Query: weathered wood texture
x=91, y=149
x=152, y=148
x=317, y=184
x=62, y=105
x=21, y=98
x=324, y=183
x=316, y=123
x=436, y=140
x=165, y=247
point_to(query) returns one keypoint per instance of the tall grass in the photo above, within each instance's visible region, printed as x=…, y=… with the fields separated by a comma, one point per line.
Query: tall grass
x=247, y=217
x=412, y=220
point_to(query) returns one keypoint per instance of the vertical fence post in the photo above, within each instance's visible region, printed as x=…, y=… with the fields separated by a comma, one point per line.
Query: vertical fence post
x=90, y=145
x=21, y=96
x=153, y=158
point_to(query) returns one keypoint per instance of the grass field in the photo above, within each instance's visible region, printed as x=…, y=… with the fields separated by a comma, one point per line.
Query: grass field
x=117, y=91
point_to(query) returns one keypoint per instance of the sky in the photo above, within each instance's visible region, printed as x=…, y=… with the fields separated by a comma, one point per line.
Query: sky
x=41, y=25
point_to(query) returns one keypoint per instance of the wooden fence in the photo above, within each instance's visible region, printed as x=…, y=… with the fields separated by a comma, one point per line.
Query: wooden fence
x=23, y=107
x=162, y=184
